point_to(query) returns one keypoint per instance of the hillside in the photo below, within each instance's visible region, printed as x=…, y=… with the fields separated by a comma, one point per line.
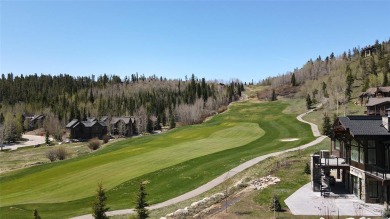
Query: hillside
x=336, y=79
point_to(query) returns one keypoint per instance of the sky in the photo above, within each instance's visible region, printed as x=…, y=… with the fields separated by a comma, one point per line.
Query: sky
x=223, y=40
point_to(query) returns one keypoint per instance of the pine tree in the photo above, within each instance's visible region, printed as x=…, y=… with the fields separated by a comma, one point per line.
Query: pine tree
x=99, y=208
x=141, y=205
x=350, y=80
x=385, y=79
x=273, y=97
x=293, y=81
x=308, y=101
x=47, y=140
x=36, y=214
x=172, y=123
x=326, y=125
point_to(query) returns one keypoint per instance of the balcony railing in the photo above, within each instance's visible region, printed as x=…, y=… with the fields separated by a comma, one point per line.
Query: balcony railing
x=335, y=161
x=378, y=171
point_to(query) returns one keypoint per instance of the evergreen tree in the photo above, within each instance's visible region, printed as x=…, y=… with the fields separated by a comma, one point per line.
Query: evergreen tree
x=47, y=140
x=385, y=79
x=141, y=205
x=149, y=126
x=308, y=101
x=172, y=122
x=275, y=204
x=350, y=80
x=326, y=125
x=324, y=91
x=293, y=81
x=36, y=214
x=99, y=208
x=273, y=97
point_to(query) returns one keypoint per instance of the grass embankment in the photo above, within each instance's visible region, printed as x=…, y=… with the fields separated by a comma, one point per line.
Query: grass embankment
x=173, y=163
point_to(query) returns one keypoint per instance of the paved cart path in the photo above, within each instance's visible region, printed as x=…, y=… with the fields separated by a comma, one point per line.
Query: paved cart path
x=224, y=176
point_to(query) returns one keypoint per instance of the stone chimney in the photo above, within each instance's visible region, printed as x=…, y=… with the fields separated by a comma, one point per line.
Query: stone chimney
x=386, y=120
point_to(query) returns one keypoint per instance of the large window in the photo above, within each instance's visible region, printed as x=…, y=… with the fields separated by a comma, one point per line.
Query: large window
x=354, y=151
x=372, y=189
x=371, y=152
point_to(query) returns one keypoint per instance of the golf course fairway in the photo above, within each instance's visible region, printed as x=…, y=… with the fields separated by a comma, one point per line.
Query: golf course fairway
x=174, y=163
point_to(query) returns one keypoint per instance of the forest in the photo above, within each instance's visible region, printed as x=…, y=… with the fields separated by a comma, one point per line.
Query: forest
x=336, y=80
x=151, y=100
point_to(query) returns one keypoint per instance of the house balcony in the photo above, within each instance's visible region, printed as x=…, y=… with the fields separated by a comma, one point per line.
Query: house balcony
x=335, y=163
x=378, y=172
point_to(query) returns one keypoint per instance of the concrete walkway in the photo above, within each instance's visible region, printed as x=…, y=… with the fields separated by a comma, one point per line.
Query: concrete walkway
x=223, y=177
x=306, y=202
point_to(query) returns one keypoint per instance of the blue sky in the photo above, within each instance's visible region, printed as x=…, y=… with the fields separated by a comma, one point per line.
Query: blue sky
x=214, y=39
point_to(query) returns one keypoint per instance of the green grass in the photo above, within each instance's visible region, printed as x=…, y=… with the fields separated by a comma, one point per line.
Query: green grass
x=173, y=163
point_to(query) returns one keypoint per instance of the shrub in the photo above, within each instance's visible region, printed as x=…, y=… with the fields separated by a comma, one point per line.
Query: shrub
x=386, y=211
x=106, y=138
x=57, y=153
x=62, y=153
x=51, y=155
x=307, y=169
x=94, y=144
x=275, y=204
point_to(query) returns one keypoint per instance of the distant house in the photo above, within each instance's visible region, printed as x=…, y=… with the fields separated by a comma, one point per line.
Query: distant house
x=360, y=152
x=91, y=128
x=35, y=122
x=377, y=92
x=377, y=106
x=124, y=126
x=368, y=51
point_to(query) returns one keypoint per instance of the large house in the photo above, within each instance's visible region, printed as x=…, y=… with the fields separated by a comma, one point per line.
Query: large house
x=374, y=92
x=91, y=128
x=124, y=126
x=34, y=122
x=360, y=152
x=377, y=106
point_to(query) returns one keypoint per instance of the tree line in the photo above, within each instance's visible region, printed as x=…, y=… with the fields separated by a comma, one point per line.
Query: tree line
x=152, y=100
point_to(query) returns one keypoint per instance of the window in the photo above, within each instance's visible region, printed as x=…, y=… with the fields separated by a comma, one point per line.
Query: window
x=371, y=152
x=356, y=186
x=373, y=189
x=354, y=151
x=337, y=144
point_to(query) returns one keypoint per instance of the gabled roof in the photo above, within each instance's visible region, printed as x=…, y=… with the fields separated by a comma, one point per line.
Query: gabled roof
x=72, y=123
x=36, y=117
x=125, y=119
x=104, y=118
x=89, y=124
x=364, y=125
x=376, y=101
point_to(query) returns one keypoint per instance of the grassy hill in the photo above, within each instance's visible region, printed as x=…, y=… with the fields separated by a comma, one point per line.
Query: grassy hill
x=173, y=163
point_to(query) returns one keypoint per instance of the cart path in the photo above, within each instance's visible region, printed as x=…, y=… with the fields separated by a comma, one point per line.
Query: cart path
x=224, y=176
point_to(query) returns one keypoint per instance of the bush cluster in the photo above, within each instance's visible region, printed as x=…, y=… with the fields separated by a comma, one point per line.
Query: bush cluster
x=60, y=153
x=94, y=144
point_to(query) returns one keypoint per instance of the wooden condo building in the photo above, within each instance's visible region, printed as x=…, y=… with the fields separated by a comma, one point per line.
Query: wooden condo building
x=360, y=153
x=90, y=128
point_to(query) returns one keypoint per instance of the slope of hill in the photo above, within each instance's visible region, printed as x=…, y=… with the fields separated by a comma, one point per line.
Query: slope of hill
x=339, y=79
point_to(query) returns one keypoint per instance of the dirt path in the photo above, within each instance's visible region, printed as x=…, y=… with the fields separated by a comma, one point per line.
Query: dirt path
x=32, y=140
x=224, y=176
